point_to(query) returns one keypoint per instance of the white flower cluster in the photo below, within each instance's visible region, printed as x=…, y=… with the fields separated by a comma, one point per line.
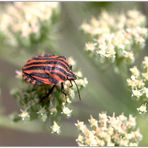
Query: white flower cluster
x=24, y=115
x=23, y=19
x=55, y=128
x=142, y=109
x=54, y=105
x=109, y=131
x=116, y=38
x=138, y=83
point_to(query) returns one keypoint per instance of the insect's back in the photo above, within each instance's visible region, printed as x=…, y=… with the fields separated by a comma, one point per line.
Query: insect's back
x=47, y=69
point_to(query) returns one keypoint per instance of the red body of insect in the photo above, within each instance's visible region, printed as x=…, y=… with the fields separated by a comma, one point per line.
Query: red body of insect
x=47, y=69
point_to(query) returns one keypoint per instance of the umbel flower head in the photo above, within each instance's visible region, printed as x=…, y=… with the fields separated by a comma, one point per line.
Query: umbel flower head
x=36, y=104
x=116, y=38
x=138, y=83
x=28, y=23
x=109, y=131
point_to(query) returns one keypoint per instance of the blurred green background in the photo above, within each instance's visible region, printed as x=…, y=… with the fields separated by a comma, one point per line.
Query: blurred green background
x=106, y=91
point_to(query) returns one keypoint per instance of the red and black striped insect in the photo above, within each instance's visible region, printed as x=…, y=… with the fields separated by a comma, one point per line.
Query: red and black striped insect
x=48, y=70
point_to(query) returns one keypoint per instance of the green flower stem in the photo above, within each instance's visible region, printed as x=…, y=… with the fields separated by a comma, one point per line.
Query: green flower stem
x=35, y=126
x=29, y=126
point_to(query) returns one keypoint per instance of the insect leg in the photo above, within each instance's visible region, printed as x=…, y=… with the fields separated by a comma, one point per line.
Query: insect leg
x=71, y=84
x=49, y=92
x=62, y=89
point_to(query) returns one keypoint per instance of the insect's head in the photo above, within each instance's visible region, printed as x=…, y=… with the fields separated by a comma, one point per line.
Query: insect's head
x=71, y=76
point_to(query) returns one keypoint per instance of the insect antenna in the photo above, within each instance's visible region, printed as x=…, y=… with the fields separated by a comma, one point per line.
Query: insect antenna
x=77, y=90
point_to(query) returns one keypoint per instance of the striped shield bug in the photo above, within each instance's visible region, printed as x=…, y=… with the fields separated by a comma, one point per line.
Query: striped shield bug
x=49, y=70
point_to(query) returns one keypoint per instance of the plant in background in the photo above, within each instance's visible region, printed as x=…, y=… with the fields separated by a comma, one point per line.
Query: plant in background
x=112, y=39
x=138, y=83
x=29, y=24
x=109, y=131
x=36, y=104
x=116, y=38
